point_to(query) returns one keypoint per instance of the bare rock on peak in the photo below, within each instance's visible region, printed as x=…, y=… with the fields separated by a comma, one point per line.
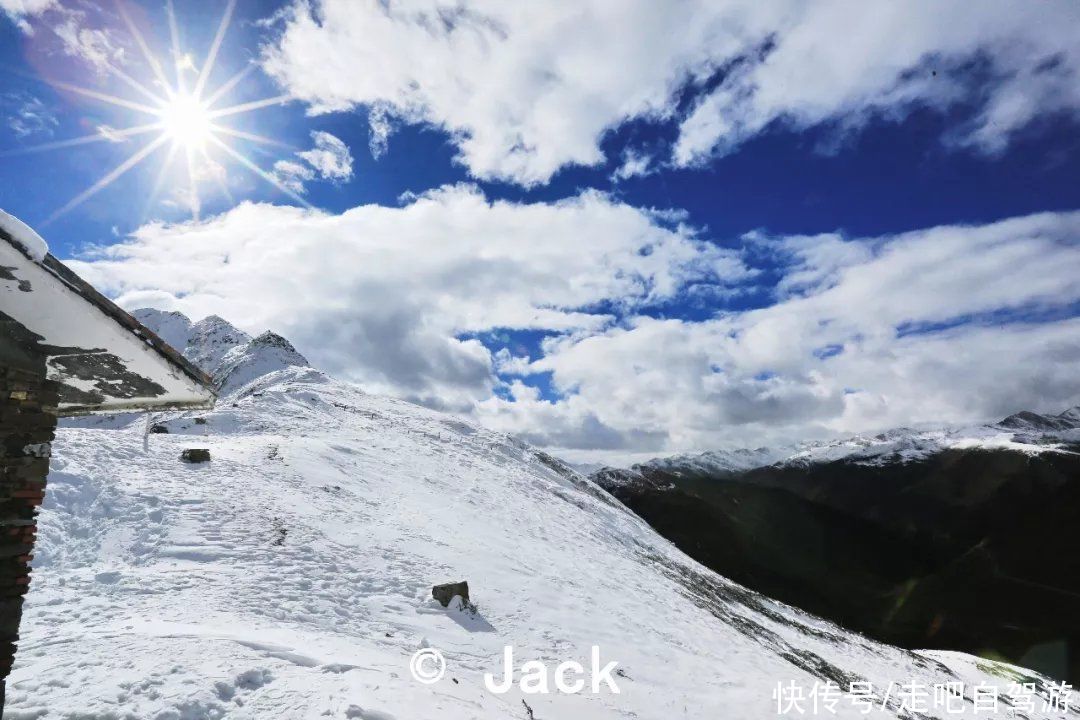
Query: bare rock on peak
x=229, y=355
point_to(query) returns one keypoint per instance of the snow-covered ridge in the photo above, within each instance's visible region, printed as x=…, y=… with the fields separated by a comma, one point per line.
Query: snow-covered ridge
x=720, y=461
x=24, y=236
x=1023, y=432
x=265, y=354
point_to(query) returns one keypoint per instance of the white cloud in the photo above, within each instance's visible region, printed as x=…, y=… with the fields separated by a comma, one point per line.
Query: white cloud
x=948, y=324
x=330, y=159
x=19, y=10
x=293, y=175
x=86, y=32
x=97, y=46
x=452, y=262
x=525, y=89
x=846, y=61
x=381, y=126
x=27, y=115
x=634, y=164
x=866, y=335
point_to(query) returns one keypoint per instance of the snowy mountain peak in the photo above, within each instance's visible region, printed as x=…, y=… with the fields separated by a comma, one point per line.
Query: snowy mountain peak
x=229, y=355
x=212, y=338
x=204, y=343
x=173, y=327
x=265, y=354
x=719, y=461
x=1030, y=421
x=273, y=340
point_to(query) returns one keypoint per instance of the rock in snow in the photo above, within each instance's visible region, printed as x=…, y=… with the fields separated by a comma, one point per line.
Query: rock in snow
x=23, y=234
x=448, y=591
x=195, y=455
x=291, y=578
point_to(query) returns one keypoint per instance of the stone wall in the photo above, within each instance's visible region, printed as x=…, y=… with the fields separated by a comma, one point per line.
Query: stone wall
x=27, y=423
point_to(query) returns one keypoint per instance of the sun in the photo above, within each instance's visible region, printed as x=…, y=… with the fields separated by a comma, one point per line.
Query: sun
x=187, y=122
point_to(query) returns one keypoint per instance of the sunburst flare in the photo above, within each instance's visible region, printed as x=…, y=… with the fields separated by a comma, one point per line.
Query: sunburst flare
x=185, y=120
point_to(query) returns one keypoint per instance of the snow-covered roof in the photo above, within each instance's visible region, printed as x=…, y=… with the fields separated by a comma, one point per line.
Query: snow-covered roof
x=103, y=358
x=22, y=235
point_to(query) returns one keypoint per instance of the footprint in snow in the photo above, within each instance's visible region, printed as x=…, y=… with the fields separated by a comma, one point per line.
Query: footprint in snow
x=355, y=711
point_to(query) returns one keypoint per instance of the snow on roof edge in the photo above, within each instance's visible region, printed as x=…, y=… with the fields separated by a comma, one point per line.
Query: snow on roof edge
x=24, y=236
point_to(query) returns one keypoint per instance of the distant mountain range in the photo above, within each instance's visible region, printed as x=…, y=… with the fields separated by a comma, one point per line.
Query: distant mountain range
x=956, y=538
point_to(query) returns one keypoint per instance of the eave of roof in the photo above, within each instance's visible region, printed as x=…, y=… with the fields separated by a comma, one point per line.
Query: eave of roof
x=127, y=367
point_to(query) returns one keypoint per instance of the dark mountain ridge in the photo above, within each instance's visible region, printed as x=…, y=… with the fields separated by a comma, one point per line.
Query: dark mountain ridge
x=961, y=539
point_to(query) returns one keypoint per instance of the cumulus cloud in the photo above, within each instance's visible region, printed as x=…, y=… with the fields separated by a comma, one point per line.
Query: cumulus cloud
x=950, y=324
x=389, y=296
x=526, y=89
x=845, y=62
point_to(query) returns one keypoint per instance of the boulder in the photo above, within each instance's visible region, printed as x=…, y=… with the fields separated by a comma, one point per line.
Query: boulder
x=195, y=455
x=445, y=593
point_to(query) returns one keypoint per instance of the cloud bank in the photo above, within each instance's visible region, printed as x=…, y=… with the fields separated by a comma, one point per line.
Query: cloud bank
x=452, y=263
x=953, y=323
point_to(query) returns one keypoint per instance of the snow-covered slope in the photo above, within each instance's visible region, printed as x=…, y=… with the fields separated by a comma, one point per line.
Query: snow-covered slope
x=290, y=577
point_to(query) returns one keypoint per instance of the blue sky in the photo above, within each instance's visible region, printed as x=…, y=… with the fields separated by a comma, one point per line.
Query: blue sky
x=619, y=232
